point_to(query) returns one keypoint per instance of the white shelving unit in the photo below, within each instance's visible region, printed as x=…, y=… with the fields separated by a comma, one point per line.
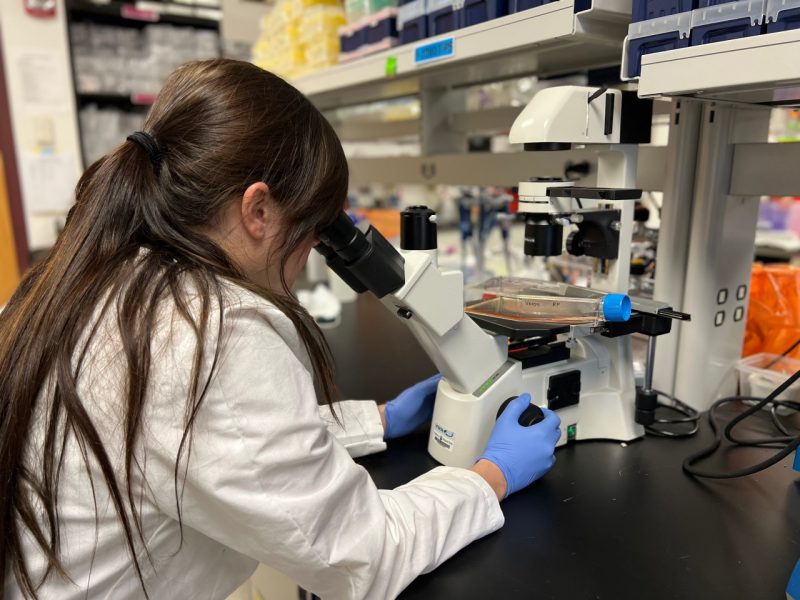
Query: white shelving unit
x=547, y=40
x=762, y=69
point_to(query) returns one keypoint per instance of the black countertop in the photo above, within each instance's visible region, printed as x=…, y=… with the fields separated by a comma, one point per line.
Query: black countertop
x=609, y=521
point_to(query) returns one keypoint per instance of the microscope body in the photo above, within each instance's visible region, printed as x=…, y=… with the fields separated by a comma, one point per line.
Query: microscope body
x=585, y=374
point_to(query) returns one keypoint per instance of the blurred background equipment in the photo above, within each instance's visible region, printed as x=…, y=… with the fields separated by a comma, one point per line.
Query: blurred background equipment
x=122, y=53
x=299, y=37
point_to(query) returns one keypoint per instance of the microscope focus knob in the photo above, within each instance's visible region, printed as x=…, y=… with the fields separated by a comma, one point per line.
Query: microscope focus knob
x=530, y=416
x=575, y=244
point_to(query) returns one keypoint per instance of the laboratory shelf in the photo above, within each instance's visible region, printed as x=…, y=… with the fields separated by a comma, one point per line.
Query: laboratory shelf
x=138, y=14
x=547, y=40
x=762, y=69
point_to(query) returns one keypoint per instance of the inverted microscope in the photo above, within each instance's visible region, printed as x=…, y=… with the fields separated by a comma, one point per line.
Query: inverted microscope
x=584, y=370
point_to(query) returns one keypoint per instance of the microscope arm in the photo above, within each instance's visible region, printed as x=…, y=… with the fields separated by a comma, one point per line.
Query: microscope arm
x=410, y=284
x=432, y=302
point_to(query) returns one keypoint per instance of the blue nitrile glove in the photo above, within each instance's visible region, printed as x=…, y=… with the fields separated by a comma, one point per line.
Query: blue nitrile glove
x=523, y=454
x=411, y=408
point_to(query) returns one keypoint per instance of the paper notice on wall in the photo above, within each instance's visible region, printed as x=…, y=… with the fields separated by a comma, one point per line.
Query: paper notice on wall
x=43, y=77
x=48, y=182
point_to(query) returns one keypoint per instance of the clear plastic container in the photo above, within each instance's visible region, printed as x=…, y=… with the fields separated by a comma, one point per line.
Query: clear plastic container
x=321, y=21
x=761, y=373
x=533, y=301
x=355, y=10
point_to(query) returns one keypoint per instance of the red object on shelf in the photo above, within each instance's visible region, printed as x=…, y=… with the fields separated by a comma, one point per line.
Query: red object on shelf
x=41, y=9
x=129, y=11
x=142, y=99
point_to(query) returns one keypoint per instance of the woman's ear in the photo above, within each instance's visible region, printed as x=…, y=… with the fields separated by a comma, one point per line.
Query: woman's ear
x=257, y=210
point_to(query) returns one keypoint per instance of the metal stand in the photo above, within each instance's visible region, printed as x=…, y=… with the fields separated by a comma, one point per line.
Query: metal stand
x=719, y=258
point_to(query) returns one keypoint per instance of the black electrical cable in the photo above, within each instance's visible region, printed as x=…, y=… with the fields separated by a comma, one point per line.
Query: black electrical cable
x=776, y=420
x=689, y=416
x=785, y=353
x=786, y=444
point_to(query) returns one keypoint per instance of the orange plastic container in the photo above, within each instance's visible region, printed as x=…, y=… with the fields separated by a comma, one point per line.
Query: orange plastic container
x=773, y=321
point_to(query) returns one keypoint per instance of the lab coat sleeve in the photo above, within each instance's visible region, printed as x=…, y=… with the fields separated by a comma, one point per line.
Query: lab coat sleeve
x=267, y=478
x=357, y=426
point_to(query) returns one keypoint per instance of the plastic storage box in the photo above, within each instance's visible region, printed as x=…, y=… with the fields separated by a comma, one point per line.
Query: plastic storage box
x=412, y=21
x=351, y=39
x=782, y=15
x=515, y=6
x=717, y=21
x=654, y=35
x=480, y=11
x=444, y=16
x=644, y=10
x=381, y=28
x=760, y=374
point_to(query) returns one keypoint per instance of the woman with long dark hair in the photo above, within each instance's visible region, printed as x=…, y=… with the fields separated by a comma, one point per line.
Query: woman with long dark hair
x=159, y=426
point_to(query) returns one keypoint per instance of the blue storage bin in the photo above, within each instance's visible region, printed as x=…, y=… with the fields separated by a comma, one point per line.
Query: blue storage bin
x=412, y=21
x=350, y=41
x=655, y=35
x=650, y=45
x=719, y=32
x=782, y=15
x=414, y=30
x=480, y=11
x=443, y=16
x=722, y=20
x=643, y=10
x=515, y=6
x=374, y=33
x=707, y=3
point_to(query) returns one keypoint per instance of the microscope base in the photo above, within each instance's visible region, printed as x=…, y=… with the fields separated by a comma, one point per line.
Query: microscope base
x=593, y=393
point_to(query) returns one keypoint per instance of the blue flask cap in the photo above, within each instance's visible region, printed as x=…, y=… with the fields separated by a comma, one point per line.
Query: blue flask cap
x=616, y=308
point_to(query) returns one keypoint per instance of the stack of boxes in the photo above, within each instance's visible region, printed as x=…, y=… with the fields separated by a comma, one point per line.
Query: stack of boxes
x=299, y=37
x=782, y=15
x=124, y=60
x=371, y=27
x=418, y=19
x=660, y=25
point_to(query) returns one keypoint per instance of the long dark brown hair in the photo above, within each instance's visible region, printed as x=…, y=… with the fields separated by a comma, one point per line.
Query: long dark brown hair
x=221, y=126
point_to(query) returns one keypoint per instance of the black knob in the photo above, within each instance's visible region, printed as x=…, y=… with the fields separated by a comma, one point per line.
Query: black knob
x=575, y=244
x=646, y=404
x=531, y=416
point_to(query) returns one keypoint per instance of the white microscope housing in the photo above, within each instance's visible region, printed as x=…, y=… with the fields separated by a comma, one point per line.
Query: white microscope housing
x=584, y=373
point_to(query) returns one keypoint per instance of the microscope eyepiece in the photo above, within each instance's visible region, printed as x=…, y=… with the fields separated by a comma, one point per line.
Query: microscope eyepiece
x=344, y=238
x=364, y=259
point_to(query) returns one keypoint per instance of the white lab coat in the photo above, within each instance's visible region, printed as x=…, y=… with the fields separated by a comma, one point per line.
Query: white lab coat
x=269, y=479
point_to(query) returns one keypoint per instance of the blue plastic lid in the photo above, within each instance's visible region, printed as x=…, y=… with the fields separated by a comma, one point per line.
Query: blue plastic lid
x=793, y=589
x=616, y=307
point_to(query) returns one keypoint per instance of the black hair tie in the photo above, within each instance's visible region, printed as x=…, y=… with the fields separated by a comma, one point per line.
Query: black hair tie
x=148, y=142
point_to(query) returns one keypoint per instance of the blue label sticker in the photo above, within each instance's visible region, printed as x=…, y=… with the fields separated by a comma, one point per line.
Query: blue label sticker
x=434, y=51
